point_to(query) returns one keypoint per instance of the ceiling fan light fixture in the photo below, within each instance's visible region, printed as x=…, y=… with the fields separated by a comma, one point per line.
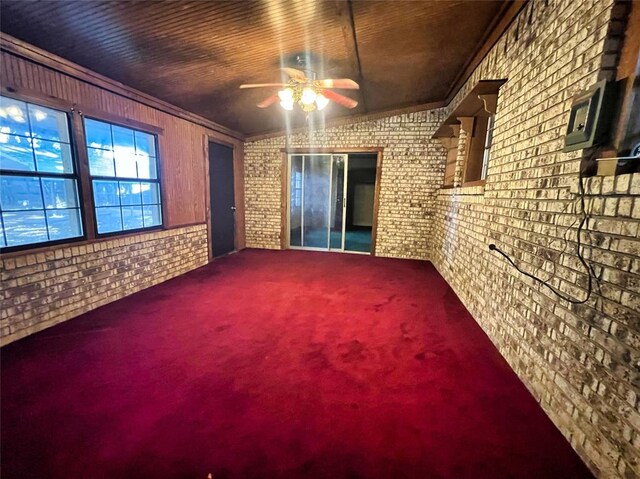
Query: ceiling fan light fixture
x=287, y=104
x=308, y=96
x=321, y=101
x=304, y=90
x=286, y=95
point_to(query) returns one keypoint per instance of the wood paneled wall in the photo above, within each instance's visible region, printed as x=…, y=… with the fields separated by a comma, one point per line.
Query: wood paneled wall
x=182, y=152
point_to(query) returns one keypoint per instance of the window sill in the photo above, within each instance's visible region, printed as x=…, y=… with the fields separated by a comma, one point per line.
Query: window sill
x=79, y=242
x=120, y=234
x=474, y=183
x=471, y=188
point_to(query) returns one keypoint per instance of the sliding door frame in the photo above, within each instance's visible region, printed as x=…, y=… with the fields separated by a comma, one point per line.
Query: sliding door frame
x=286, y=185
x=288, y=207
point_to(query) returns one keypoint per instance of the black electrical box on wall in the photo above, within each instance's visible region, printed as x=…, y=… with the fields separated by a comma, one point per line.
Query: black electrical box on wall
x=590, y=118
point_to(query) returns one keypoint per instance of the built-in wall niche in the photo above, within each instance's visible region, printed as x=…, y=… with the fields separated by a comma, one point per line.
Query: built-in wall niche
x=619, y=153
x=467, y=135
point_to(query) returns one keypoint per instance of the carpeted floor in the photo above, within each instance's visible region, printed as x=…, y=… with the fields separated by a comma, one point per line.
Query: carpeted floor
x=269, y=364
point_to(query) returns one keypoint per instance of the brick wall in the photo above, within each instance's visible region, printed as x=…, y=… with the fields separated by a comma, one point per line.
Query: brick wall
x=580, y=361
x=44, y=288
x=411, y=174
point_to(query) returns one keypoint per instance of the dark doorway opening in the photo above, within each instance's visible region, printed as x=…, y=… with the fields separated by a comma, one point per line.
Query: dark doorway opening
x=223, y=206
x=361, y=182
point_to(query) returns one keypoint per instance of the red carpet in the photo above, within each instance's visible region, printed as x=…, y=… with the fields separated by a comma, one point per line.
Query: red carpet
x=273, y=364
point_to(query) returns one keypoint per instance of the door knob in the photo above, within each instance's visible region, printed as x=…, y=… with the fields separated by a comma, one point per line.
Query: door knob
x=233, y=208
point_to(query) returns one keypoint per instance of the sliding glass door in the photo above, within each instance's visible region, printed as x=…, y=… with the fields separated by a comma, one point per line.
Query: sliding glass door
x=338, y=200
x=317, y=186
x=315, y=201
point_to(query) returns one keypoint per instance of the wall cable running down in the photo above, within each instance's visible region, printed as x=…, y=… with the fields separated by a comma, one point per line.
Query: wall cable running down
x=588, y=267
x=577, y=358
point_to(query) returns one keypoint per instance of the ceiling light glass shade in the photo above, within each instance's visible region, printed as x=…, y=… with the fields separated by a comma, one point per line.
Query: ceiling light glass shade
x=286, y=95
x=308, y=96
x=321, y=101
x=287, y=104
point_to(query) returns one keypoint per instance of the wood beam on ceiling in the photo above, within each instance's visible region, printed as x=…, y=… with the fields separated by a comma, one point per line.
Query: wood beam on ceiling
x=347, y=25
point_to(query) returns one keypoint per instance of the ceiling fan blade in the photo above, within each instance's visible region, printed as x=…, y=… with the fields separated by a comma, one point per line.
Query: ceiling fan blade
x=268, y=101
x=340, y=99
x=262, y=85
x=344, y=83
x=297, y=75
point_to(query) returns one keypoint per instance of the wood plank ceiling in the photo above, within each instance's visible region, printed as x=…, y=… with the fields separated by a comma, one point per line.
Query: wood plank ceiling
x=195, y=54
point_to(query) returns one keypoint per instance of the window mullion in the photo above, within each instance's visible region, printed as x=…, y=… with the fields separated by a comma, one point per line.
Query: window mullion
x=4, y=233
x=125, y=178
x=31, y=140
x=39, y=174
x=84, y=178
x=44, y=209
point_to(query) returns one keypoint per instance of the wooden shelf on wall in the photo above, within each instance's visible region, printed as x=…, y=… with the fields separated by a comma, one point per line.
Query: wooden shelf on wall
x=473, y=115
x=472, y=105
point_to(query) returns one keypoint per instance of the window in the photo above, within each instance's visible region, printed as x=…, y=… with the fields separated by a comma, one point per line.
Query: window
x=124, y=177
x=476, y=150
x=39, y=200
x=41, y=184
x=487, y=147
x=467, y=163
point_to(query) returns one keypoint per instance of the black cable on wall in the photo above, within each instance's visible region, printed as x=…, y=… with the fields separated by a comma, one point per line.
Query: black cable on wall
x=589, y=269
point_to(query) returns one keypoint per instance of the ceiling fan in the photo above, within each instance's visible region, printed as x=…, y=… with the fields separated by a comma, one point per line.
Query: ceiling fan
x=304, y=89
